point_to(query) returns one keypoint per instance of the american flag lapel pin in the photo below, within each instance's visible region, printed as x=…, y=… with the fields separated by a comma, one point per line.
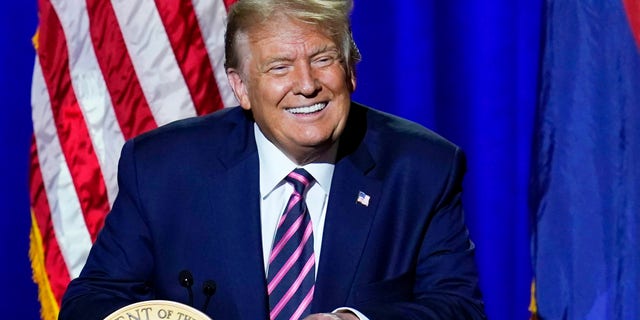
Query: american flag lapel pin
x=363, y=199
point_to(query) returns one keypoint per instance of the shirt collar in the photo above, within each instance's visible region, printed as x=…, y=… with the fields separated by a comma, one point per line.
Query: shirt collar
x=275, y=166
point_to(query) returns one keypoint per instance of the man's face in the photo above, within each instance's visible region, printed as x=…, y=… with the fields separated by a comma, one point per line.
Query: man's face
x=292, y=79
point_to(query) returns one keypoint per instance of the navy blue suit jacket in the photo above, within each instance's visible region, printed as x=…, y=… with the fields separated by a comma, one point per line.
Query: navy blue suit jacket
x=189, y=199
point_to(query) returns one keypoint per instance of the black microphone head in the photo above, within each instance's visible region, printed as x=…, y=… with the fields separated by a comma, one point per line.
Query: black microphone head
x=185, y=278
x=209, y=288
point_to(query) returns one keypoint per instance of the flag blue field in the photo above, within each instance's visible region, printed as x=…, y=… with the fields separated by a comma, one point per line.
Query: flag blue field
x=585, y=191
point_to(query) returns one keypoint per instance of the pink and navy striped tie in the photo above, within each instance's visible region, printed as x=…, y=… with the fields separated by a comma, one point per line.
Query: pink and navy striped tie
x=291, y=278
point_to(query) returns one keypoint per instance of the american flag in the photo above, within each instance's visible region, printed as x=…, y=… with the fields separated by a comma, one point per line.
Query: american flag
x=106, y=71
x=363, y=199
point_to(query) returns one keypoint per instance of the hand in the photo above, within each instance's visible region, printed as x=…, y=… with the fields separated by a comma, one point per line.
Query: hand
x=332, y=316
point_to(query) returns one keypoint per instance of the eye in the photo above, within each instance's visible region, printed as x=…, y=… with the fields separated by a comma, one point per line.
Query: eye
x=325, y=60
x=279, y=69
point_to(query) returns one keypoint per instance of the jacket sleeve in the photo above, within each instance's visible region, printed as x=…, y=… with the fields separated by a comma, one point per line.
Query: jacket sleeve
x=120, y=261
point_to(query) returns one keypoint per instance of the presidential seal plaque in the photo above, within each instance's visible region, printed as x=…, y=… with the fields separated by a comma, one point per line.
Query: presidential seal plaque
x=157, y=310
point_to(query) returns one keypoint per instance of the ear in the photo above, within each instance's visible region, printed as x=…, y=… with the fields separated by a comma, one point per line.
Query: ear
x=352, y=79
x=239, y=88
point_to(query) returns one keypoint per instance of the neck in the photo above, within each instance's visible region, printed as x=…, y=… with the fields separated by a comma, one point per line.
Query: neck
x=315, y=155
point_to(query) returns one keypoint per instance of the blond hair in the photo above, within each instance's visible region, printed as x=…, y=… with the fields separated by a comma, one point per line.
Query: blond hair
x=331, y=16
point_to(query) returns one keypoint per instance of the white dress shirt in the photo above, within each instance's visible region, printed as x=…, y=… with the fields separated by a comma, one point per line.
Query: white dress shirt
x=275, y=193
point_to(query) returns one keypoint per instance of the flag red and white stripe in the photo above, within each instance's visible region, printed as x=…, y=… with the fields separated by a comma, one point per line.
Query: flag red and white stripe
x=106, y=71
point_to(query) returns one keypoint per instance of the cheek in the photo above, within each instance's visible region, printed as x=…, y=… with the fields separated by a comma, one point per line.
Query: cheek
x=272, y=92
x=335, y=78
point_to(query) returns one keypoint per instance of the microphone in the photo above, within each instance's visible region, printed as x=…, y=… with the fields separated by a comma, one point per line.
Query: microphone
x=186, y=280
x=209, y=289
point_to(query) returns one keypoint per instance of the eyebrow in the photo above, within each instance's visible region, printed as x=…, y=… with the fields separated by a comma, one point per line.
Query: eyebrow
x=278, y=59
x=323, y=49
x=316, y=51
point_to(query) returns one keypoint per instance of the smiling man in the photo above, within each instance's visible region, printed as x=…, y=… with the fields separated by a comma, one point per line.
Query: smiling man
x=299, y=204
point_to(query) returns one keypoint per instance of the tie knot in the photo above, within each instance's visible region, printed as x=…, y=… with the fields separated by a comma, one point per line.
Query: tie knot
x=301, y=180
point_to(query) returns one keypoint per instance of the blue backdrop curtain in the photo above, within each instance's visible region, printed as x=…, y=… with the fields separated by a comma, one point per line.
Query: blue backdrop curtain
x=466, y=69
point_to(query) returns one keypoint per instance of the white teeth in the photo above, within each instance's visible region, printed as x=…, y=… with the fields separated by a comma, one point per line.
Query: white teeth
x=309, y=109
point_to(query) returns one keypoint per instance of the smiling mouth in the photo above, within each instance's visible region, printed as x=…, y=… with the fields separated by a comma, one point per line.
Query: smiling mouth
x=308, y=109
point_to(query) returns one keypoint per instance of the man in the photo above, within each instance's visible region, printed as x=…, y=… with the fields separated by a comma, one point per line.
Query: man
x=299, y=204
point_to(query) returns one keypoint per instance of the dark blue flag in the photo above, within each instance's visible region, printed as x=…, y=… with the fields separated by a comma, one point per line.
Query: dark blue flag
x=585, y=186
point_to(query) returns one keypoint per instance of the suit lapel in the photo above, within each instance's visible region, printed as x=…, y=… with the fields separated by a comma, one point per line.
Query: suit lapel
x=235, y=204
x=348, y=221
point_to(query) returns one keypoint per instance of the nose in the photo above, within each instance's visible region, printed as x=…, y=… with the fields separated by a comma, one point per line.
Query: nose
x=306, y=83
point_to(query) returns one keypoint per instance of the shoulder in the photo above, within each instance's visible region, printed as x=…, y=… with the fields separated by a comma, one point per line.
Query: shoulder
x=211, y=131
x=395, y=138
x=216, y=125
x=196, y=140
